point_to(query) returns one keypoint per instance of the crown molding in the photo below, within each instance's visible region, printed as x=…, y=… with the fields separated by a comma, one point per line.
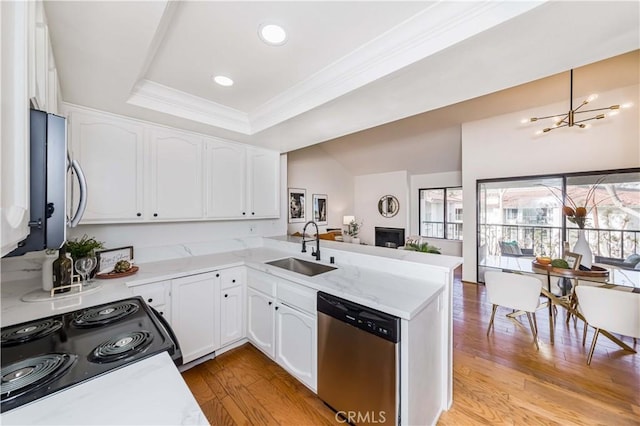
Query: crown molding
x=155, y=96
x=435, y=28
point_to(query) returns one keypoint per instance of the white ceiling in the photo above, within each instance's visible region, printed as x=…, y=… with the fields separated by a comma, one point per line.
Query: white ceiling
x=347, y=66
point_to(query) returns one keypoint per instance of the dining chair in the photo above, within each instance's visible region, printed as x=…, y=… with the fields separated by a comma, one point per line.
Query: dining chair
x=514, y=291
x=609, y=311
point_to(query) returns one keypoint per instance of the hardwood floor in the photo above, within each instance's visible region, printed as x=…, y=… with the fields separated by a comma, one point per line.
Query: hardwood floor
x=500, y=379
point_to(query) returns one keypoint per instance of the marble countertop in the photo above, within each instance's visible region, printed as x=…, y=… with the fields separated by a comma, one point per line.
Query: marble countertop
x=400, y=288
x=162, y=398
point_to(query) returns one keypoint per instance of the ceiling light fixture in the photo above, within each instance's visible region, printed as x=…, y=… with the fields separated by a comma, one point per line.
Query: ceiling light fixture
x=569, y=119
x=272, y=34
x=223, y=80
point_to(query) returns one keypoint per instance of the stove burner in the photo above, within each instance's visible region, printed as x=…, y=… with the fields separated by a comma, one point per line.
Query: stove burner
x=31, y=373
x=94, y=317
x=28, y=332
x=122, y=346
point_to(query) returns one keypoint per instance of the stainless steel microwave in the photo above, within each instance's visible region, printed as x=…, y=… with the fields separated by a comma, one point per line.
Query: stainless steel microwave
x=49, y=164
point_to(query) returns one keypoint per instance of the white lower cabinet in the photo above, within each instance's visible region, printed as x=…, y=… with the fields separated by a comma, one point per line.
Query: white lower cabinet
x=261, y=321
x=284, y=327
x=232, y=302
x=195, y=301
x=296, y=348
x=158, y=296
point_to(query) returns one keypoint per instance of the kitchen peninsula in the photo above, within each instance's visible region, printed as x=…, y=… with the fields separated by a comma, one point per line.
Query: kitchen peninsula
x=415, y=287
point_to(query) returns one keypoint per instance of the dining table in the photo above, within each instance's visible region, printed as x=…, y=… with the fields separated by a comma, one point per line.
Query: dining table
x=601, y=275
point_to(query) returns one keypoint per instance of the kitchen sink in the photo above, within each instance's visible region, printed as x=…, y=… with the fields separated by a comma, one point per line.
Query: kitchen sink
x=300, y=266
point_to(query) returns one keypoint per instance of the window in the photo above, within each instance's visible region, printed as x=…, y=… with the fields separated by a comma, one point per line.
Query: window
x=440, y=213
x=524, y=210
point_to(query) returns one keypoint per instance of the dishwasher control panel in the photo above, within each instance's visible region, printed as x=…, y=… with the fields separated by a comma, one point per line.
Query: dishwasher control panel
x=376, y=322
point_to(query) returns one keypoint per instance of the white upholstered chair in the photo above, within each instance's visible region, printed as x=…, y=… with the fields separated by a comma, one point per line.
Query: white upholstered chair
x=514, y=291
x=609, y=310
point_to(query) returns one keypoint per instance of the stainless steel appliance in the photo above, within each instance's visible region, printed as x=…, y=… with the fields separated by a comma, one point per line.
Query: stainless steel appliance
x=48, y=166
x=358, y=359
x=48, y=355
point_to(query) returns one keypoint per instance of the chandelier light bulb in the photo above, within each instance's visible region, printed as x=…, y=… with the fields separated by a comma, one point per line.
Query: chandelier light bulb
x=592, y=97
x=626, y=105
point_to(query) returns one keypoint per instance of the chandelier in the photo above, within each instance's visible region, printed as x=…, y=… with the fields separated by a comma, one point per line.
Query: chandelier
x=572, y=118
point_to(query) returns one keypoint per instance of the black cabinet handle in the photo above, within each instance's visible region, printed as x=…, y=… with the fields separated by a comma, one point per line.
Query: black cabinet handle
x=276, y=308
x=233, y=281
x=226, y=295
x=155, y=215
x=217, y=275
x=138, y=214
x=150, y=300
x=270, y=303
x=253, y=212
x=244, y=213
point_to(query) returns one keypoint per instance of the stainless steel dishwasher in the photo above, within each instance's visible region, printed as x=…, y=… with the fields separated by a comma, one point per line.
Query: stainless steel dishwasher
x=358, y=358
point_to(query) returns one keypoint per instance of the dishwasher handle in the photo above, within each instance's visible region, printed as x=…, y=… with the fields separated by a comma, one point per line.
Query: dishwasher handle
x=367, y=319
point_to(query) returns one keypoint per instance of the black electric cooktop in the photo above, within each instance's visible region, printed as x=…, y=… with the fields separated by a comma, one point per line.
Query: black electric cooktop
x=47, y=355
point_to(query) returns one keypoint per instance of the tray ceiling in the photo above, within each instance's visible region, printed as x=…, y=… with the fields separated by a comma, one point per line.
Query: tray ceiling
x=346, y=66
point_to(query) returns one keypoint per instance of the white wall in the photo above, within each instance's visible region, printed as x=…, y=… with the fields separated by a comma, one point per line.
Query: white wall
x=368, y=190
x=432, y=180
x=502, y=147
x=317, y=172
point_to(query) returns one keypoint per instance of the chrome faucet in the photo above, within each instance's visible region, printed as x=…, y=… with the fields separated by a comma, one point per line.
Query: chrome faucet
x=315, y=253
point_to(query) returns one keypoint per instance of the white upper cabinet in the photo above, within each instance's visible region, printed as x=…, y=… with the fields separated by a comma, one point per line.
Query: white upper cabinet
x=111, y=154
x=42, y=74
x=242, y=182
x=226, y=180
x=263, y=169
x=137, y=171
x=176, y=178
x=14, y=124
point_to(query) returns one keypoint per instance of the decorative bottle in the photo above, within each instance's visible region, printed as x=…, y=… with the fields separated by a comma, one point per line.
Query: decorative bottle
x=62, y=271
x=47, y=269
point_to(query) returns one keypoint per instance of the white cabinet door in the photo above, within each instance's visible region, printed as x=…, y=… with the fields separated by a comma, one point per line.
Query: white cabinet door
x=226, y=180
x=14, y=125
x=296, y=349
x=111, y=154
x=231, y=315
x=176, y=176
x=194, y=320
x=260, y=324
x=156, y=295
x=263, y=168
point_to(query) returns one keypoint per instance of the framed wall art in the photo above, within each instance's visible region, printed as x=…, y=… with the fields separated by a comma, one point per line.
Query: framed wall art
x=320, y=208
x=297, y=198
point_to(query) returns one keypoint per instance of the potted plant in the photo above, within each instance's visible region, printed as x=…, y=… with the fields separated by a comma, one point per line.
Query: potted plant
x=83, y=247
x=419, y=245
x=354, y=231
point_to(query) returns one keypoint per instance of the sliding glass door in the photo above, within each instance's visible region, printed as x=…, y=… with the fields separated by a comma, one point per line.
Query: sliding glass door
x=521, y=217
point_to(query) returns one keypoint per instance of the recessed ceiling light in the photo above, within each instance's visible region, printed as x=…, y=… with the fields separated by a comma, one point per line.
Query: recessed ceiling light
x=223, y=81
x=272, y=34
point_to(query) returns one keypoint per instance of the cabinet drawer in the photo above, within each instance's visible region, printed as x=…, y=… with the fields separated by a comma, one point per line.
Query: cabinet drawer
x=231, y=277
x=154, y=294
x=261, y=282
x=297, y=296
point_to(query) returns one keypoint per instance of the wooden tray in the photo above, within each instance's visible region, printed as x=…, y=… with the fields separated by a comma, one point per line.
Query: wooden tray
x=110, y=275
x=595, y=272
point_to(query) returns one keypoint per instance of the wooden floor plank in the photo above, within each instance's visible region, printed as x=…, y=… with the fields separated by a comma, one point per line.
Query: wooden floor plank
x=498, y=379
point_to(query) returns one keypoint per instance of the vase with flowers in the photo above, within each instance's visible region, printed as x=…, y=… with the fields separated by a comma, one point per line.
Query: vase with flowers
x=578, y=214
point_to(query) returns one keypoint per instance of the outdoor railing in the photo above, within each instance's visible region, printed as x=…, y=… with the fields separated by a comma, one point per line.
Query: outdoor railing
x=547, y=240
